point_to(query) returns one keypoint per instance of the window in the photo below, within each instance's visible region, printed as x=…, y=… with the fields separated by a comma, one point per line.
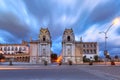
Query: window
x=68, y=38
x=16, y=49
x=20, y=49
x=44, y=38
x=24, y=49
x=91, y=51
x=8, y=48
x=87, y=45
x=94, y=45
x=5, y=48
x=83, y=45
x=87, y=51
x=91, y=45
x=12, y=48
x=84, y=51
x=95, y=51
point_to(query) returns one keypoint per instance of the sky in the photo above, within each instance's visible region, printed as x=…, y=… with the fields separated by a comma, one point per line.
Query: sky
x=22, y=19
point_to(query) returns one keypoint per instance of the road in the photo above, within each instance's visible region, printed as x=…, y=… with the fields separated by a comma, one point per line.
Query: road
x=55, y=72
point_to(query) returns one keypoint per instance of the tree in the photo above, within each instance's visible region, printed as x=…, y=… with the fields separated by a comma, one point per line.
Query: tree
x=116, y=57
x=53, y=57
x=85, y=59
x=1, y=56
x=108, y=57
x=96, y=58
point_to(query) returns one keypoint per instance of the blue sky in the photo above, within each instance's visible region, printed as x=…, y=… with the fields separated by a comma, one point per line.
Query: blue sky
x=22, y=19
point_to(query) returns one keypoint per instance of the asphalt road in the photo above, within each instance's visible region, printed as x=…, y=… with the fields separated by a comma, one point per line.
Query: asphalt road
x=55, y=73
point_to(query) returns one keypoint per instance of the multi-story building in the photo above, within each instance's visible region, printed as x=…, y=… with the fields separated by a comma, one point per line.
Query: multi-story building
x=75, y=50
x=90, y=49
x=16, y=52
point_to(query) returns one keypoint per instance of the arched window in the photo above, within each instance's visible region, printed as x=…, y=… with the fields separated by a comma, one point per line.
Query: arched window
x=12, y=48
x=68, y=38
x=44, y=38
x=5, y=48
x=16, y=49
x=8, y=48
x=20, y=49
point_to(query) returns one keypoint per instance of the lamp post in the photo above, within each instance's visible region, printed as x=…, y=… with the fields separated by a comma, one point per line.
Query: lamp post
x=105, y=33
x=115, y=21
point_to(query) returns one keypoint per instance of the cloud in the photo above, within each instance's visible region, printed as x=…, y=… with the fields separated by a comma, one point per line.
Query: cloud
x=92, y=34
x=22, y=19
x=6, y=37
x=15, y=20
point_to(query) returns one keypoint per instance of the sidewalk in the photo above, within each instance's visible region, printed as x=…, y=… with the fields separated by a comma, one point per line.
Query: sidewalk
x=53, y=64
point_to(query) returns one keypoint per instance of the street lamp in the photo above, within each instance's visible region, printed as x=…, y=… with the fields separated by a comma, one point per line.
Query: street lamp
x=115, y=22
x=105, y=33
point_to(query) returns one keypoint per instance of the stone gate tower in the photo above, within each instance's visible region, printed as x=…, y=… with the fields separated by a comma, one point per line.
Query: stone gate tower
x=45, y=45
x=68, y=46
x=40, y=50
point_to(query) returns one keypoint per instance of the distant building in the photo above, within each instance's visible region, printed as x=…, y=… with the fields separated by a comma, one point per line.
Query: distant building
x=16, y=52
x=75, y=50
x=40, y=50
x=90, y=49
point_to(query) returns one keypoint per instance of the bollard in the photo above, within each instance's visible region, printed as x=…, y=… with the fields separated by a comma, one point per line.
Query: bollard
x=45, y=63
x=70, y=62
x=91, y=63
x=10, y=63
x=60, y=63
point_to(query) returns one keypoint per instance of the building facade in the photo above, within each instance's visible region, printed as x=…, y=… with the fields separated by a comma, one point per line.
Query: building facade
x=90, y=49
x=16, y=52
x=40, y=50
x=75, y=50
x=68, y=46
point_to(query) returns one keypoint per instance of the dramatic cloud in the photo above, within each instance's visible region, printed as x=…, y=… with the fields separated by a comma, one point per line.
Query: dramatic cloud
x=22, y=19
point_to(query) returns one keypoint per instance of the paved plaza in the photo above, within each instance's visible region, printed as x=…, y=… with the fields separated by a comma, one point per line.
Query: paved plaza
x=56, y=72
